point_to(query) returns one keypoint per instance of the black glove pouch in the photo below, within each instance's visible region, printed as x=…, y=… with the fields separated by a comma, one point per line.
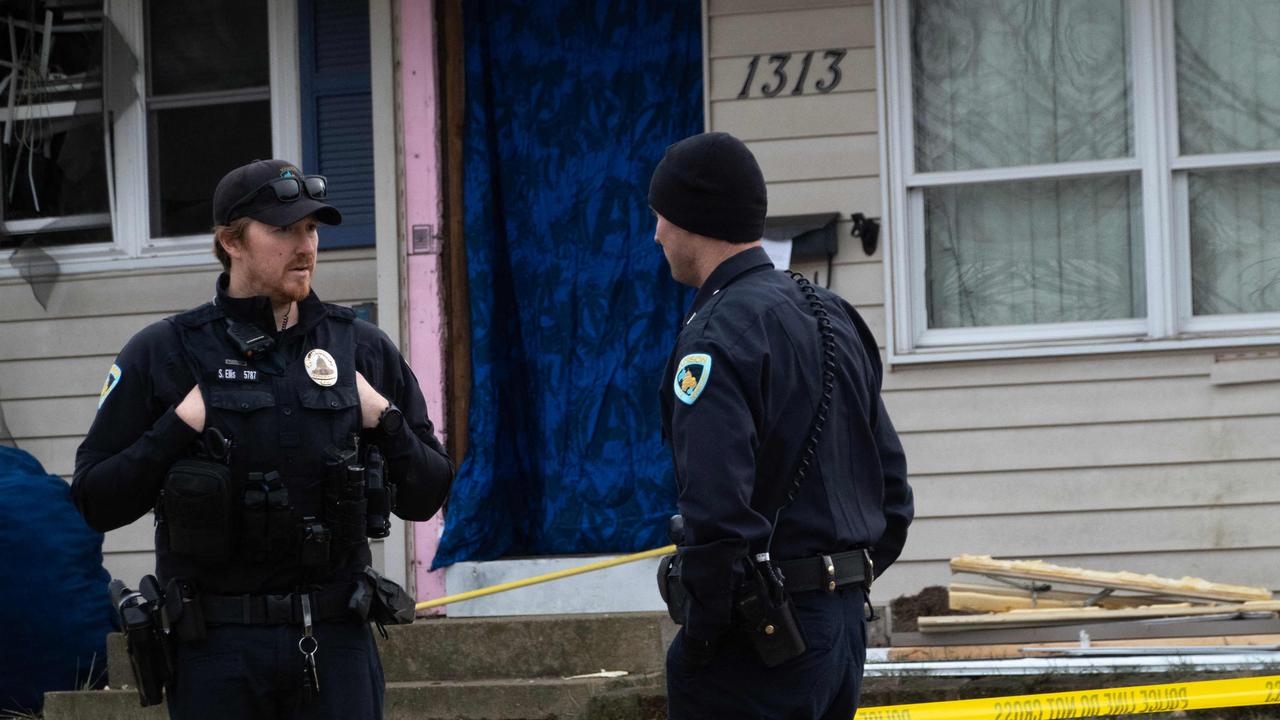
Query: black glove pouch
x=381, y=600
x=197, y=506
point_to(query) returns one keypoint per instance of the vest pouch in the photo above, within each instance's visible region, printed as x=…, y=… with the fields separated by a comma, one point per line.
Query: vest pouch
x=268, y=531
x=196, y=505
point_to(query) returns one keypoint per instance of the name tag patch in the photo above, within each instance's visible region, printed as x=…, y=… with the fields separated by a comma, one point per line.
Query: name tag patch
x=234, y=374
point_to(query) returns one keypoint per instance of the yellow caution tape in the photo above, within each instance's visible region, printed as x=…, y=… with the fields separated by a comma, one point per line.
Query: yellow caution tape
x=1134, y=700
x=603, y=564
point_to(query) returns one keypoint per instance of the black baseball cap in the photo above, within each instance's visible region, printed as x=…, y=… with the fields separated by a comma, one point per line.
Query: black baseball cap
x=264, y=206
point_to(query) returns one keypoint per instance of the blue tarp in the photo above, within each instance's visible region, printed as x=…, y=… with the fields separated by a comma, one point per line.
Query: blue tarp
x=54, y=609
x=570, y=105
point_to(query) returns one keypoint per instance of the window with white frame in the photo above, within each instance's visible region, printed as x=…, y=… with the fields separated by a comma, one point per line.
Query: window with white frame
x=120, y=116
x=1084, y=173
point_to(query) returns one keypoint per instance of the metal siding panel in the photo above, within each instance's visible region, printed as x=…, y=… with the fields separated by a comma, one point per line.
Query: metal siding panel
x=1098, y=445
x=1068, y=404
x=843, y=195
x=813, y=29
x=820, y=158
x=1086, y=490
x=797, y=117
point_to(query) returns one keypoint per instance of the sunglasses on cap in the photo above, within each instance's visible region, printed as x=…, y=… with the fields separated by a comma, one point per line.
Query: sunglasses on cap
x=287, y=189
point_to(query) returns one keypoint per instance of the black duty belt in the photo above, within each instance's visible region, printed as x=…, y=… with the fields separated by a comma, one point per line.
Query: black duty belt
x=826, y=572
x=328, y=604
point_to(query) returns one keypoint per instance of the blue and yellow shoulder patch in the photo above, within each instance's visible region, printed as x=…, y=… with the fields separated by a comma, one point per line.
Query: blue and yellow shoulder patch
x=692, y=375
x=113, y=379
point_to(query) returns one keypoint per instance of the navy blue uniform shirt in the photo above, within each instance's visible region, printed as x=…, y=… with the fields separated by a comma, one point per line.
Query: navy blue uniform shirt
x=738, y=398
x=136, y=435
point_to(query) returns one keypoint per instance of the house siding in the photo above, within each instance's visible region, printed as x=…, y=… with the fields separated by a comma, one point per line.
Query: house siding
x=53, y=361
x=1160, y=462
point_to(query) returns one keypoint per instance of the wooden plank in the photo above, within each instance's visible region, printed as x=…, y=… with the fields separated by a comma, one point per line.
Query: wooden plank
x=935, y=653
x=920, y=568
x=1206, y=626
x=55, y=377
x=1083, y=490
x=736, y=7
x=728, y=75
x=1036, y=618
x=844, y=195
x=812, y=29
x=1186, y=587
x=1110, y=401
x=989, y=598
x=818, y=158
x=1096, y=445
x=797, y=117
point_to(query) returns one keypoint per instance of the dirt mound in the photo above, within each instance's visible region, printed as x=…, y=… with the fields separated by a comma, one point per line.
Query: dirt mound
x=932, y=600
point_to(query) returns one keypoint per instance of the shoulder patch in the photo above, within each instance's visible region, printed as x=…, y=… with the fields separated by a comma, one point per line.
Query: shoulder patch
x=692, y=375
x=113, y=379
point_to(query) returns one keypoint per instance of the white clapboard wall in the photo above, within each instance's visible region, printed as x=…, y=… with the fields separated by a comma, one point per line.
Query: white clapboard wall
x=1156, y=462
x=53, y=361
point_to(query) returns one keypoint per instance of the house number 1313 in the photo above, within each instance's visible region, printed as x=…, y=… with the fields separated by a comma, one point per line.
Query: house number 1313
x=778, y=81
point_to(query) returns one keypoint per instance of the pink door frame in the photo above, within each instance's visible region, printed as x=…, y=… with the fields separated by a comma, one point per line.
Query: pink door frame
x=422, y=207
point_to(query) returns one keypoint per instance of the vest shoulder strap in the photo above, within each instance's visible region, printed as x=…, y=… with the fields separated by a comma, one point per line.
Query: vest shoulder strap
x=340, y=312
x=202, y=315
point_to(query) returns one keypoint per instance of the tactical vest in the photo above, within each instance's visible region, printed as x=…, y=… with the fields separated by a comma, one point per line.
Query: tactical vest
x=259, y=535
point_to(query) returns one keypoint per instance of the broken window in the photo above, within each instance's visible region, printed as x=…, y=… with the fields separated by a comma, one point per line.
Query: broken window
x=53, y=137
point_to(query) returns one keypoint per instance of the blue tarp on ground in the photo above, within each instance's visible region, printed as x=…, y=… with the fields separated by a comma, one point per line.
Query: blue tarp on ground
x=54, y=609
x=570, y=105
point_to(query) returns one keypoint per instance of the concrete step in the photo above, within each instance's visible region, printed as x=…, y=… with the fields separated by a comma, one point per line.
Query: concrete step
x=526, y=647
x=537, y=699
x=99, y=705
x=435, y=649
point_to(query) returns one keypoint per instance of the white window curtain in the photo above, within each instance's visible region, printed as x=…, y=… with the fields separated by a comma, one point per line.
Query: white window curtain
x=1004, y=83
x=1228, y=74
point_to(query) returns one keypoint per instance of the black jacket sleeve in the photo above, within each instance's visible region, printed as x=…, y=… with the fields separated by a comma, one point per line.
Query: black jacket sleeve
x=899, y=506
x=715, y=441
x=416, y=461
x=135, y=436
x=899, y=503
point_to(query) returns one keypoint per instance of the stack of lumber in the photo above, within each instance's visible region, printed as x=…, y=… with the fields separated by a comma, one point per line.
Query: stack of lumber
x=1041, y=604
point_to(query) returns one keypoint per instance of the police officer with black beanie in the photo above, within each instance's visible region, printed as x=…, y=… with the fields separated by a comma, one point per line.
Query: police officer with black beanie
x=271, y=433
x=792, y=483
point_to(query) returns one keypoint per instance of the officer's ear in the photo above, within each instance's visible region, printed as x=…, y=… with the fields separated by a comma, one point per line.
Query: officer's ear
x=230, y=240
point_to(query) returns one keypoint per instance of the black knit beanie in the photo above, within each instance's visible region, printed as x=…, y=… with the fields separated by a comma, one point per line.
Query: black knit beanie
x=710, y=184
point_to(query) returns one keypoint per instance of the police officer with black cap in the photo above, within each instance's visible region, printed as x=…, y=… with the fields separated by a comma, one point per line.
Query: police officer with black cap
x=793, y=490
x=272, y=433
